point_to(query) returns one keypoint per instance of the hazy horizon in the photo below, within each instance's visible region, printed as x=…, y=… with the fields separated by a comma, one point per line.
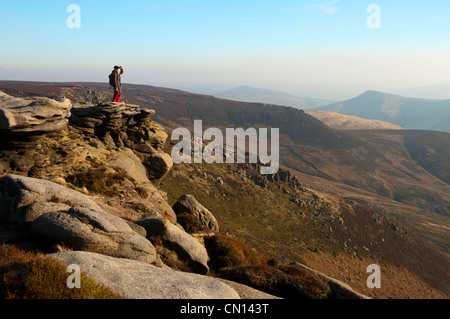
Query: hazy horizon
x=324, y=49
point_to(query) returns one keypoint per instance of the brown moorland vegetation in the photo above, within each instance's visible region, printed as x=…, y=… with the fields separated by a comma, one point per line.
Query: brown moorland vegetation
x=27, y=275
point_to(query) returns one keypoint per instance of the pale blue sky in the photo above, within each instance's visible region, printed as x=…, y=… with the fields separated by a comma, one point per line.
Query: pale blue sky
x=201, y=43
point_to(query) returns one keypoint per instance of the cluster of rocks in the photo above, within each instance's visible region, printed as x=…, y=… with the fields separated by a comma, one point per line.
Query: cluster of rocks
x=98, y=232
x=126, y=125
x=58, y=215
x=103, y=245
x=117, y=125
x=282, y=176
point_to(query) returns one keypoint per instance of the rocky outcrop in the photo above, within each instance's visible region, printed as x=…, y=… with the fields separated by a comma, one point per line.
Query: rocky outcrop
x=126, y=160
x=187, y=204
x=147, y=139
x=22, y=199
x=144, y=281
x=126, y=125
x=105, y=118
x=59, y=215
x=33, y=116
x=95, y=231
x=115, y=142
x=116, y=125
x=173, y=237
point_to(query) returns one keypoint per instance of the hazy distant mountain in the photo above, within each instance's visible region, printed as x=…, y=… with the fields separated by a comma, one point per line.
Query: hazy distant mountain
x=257, y=95
x=410, y=113
x=438, y=92
x=349, y=122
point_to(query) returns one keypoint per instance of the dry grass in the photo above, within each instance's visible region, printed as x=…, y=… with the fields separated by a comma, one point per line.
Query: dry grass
x=25, y=275
x=396, y=282
x=291, y=282
x=225, y=251
x=190, y=223
x=236, y=261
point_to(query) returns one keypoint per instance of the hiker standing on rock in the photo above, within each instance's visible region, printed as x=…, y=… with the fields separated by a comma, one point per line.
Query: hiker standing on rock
x=114, y=81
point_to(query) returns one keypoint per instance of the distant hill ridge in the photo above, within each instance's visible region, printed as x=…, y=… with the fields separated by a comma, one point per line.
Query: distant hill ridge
x=259, y=95
x=410, y=113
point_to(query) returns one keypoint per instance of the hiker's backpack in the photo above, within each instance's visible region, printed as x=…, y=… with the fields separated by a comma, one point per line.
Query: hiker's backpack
x=112, y=81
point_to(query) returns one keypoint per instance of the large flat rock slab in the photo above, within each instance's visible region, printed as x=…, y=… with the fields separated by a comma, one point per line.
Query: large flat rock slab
x=137, y=280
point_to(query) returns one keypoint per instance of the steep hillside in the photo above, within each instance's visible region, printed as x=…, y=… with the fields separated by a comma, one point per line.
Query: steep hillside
x=431, y=150
x=292, y=223
x=410, y=113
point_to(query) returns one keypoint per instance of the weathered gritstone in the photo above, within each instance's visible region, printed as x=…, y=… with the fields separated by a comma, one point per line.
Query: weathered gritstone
x=33, y=116
x=144, y=281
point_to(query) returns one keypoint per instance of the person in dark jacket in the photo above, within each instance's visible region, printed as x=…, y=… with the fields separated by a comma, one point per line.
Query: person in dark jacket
x=116, y=73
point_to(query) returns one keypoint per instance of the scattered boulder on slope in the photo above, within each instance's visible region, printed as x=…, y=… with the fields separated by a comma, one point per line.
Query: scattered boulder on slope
x=144, y=281
x=125, y=159
x=175, y=238
x=187, y=204
x=158, y=164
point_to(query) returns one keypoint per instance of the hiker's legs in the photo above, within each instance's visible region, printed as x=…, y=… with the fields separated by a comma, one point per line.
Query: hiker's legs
x=116, y=97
